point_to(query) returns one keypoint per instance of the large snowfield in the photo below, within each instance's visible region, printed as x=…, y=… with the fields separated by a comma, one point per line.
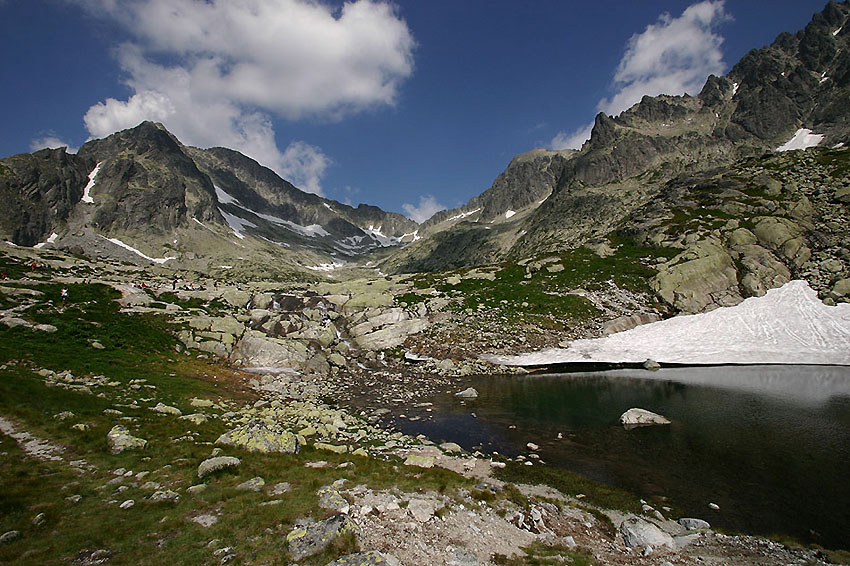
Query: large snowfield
x=788, y=325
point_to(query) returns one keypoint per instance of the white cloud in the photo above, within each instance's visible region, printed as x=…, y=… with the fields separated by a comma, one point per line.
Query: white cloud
x=304, y=165
x=428, y=206
x=50, y=141
x=216, y=71
x=672, y=56
x=571, y=140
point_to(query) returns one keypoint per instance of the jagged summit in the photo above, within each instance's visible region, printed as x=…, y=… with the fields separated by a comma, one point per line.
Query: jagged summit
x=141, y=195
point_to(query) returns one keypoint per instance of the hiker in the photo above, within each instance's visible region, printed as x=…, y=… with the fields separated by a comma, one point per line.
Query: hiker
x=64, y=294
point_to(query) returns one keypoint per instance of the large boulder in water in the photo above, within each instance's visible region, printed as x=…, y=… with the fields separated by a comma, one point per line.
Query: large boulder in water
x=642, y=417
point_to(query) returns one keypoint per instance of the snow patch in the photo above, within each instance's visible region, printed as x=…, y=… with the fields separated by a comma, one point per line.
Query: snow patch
x=159, y=260
x=326, y=266
x=463, y=215
x=838, y=145
x=329, y=207
x=509, y=213
x=225, y=198
x=788, y=325
x=237, y=224
x=87, y=190
x=378, y=236
x=49, y=240
x=735, y=88
x=198, y=222
x=836, y=32
x=802, y=139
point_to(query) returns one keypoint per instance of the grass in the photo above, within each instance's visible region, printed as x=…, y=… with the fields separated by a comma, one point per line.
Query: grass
x=141, y=347
x=571, y=483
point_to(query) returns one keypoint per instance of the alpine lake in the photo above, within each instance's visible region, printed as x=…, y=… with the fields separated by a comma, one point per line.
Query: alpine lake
x=768, y=445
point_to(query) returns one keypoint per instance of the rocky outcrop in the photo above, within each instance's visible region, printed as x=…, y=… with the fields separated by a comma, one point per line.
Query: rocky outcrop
x=700, y=277
x=120, y=439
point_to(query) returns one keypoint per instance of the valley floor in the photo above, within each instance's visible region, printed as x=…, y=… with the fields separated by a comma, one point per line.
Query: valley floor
x=130, y=436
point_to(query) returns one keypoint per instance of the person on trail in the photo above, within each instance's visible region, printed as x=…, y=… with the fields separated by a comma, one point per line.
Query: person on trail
x=64, y=294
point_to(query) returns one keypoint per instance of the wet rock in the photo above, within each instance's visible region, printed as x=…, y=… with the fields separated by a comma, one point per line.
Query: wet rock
x=312, y=539
x=468, y=393
x=217, y=463
x=642, y=417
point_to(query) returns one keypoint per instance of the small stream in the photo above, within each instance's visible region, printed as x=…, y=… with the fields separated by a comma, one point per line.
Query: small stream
x=769, y=444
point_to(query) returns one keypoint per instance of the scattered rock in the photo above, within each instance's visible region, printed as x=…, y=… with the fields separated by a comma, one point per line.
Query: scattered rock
x=468, y=393
x=9, y=536
x=120, y=439
x=421, y=509
x=370, y=558
x=281, y=488
x=260, y=436
x=694, y=524
x=127, y=504
x=253, y=484
x=330, y=498
x=312, y=539
x=637, y=532
x=167, y=410
x=164, y=496
x=205, y=520
x=420, y=460
x=217, y=463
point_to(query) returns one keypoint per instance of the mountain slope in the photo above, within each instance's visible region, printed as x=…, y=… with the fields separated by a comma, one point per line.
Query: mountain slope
x=799, y=81
x=140, y=195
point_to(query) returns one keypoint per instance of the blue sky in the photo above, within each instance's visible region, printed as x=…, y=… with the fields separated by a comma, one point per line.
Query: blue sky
x=409, y=106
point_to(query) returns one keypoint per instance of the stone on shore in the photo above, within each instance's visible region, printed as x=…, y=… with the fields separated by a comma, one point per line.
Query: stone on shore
x=637, y=532
x=468, y=393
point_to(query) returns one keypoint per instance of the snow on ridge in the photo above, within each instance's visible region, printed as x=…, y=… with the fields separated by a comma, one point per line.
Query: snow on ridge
x=802, y=139
x=463, y=215
x=224, y=197
x=836, y=32
x=788, y=325
x=735, y=88
x=49, y=240
x=329, y=207
x=87, y=190
x=509, y=213
x=379, y=237
x=128, y=247
x=237, y=224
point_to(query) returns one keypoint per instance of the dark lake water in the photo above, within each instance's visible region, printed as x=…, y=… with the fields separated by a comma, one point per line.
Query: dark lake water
x=769, y=444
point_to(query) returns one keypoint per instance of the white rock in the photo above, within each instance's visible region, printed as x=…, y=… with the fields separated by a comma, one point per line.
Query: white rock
x=468, y=393
x=641, y=417
x=637, y=532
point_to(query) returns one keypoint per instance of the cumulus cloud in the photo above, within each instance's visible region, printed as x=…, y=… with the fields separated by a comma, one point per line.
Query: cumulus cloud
x=304, y=165
x=215, y=72
x=428, y=206
x=50, y=141
x=672, y=56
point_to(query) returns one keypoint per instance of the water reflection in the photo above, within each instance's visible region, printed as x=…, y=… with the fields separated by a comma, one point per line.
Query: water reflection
x=769, y=444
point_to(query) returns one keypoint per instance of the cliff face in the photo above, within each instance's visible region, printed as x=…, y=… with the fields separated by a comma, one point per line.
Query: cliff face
x=799, y=81
x=143, y=187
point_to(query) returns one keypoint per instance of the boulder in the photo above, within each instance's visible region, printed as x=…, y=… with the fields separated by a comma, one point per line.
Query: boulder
x=701, y=277
x=637, y=532
x=260, y=436
x=468, y=393
x=421, y=509
x=420, y=460
x=642, y=417
x=120, y=439
x=164, y=496
x=390, y=336
x=330, y=498
x=212, y=465
x=253, y=484
x=694, y=524
x=257, y=350
x=167, y=410
x=313, y=539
